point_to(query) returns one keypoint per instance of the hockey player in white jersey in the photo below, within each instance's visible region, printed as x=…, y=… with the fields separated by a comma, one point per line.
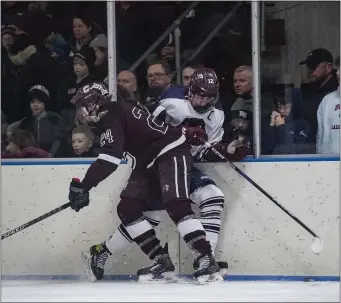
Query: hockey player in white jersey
x=194, y=106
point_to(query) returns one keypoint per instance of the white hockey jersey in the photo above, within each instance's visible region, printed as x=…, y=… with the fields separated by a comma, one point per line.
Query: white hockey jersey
x=328, y=124
x=178, y=109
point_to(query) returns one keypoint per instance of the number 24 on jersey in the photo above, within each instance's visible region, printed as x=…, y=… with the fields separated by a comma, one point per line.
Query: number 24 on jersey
x=106, y=137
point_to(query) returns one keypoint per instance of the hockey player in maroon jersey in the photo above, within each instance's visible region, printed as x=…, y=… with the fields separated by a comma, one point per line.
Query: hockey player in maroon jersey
x=161, y=165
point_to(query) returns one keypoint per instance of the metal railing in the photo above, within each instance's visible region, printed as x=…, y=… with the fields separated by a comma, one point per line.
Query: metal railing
x=256, y=56
x=172, y=27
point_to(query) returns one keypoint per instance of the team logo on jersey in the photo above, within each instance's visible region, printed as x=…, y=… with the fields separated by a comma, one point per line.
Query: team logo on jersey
x=165, y=188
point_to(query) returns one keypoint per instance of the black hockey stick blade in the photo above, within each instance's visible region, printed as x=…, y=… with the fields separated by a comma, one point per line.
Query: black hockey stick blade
x=34, y=221
x=317, y=246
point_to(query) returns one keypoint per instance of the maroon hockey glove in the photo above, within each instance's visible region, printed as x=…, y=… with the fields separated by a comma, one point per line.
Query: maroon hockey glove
x=239, y=154
x=230, y=152
x=195, y=135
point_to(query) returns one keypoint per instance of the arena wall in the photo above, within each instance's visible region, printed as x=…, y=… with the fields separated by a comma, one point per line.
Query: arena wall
x=258, y=239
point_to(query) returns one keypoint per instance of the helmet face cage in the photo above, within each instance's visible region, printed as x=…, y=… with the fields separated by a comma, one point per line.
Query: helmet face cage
x=86, y=115
x=88, y=101
x=201, y=104
x=203, y=90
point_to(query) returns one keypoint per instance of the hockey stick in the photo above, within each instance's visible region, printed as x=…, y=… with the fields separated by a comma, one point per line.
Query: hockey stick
x=317, y=246
x=34, y=221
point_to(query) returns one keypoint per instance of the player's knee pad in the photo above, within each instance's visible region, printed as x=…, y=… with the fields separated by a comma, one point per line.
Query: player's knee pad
x=180, y=209
x=129, y=210
x=153, y=217
x=209, y=196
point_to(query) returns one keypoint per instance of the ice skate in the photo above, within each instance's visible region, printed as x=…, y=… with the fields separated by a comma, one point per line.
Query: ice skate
x=207, y=270
x=94, y=261
x=223, y=266
x=162, y=269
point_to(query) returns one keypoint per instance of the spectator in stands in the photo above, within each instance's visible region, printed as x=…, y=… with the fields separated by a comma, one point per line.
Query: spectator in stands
x=82, y=142
x=159, y=74
x=22, y=145
x=42, y=30
x=186, y=75
x=9, y=75
x=242, y=98
x=308, y=97
x=240, y=125
x=100, y=46
x=285, y=133
x=47, y=127
x=35, y=65
x=328, y=118
x=54, y=41
x=242, y=82
x=84, y=31
x=123, y=94
x=83, y=67
x=40, y=6
x=128, y=80
x=7, y=37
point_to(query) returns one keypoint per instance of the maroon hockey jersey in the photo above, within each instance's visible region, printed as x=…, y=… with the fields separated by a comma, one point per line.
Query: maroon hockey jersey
x=127, y=131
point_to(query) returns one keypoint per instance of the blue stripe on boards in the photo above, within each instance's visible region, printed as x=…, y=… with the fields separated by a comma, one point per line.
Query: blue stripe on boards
x=134, y=278
x=88, y=161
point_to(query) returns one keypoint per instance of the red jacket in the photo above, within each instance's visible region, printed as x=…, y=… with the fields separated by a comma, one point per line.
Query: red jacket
x=28, y=152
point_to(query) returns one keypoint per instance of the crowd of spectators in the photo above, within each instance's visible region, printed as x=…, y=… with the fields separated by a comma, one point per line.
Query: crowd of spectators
x=49, y=50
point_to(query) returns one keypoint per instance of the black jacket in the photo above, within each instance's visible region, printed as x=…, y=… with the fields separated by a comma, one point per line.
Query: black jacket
x=307, y=101
x=289, y=138
x=48, y=131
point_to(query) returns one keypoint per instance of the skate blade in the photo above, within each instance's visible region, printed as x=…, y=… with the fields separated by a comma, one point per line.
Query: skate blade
x=208, y=279
x=86, y=257
x=223, y=272
x=167, y=277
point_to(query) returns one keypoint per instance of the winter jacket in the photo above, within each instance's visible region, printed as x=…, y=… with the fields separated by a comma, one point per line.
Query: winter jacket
x=289, y=138
x=48, y=130
x=28, y=152
x=307, y=100
x=328, y=129
x=59, y=46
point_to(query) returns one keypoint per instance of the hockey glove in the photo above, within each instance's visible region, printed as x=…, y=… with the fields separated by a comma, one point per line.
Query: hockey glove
x=78, y=196
x=238, y=149
x=233, y=151
x=195, y=135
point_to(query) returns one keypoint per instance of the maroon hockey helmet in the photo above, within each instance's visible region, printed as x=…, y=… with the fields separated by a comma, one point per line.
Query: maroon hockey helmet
x=203, y=90
x=88, y=102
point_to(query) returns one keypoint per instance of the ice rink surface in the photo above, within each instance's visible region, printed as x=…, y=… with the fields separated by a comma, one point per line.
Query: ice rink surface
x=112, y=291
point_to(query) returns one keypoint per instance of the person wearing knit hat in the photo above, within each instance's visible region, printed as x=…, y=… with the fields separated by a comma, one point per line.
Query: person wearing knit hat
x=39, y=97
x=100, y=46
x=83, y=67
x=241, y=119
x=46, y=126
x=240, y=128
x=84, y=61
x=7, y=36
